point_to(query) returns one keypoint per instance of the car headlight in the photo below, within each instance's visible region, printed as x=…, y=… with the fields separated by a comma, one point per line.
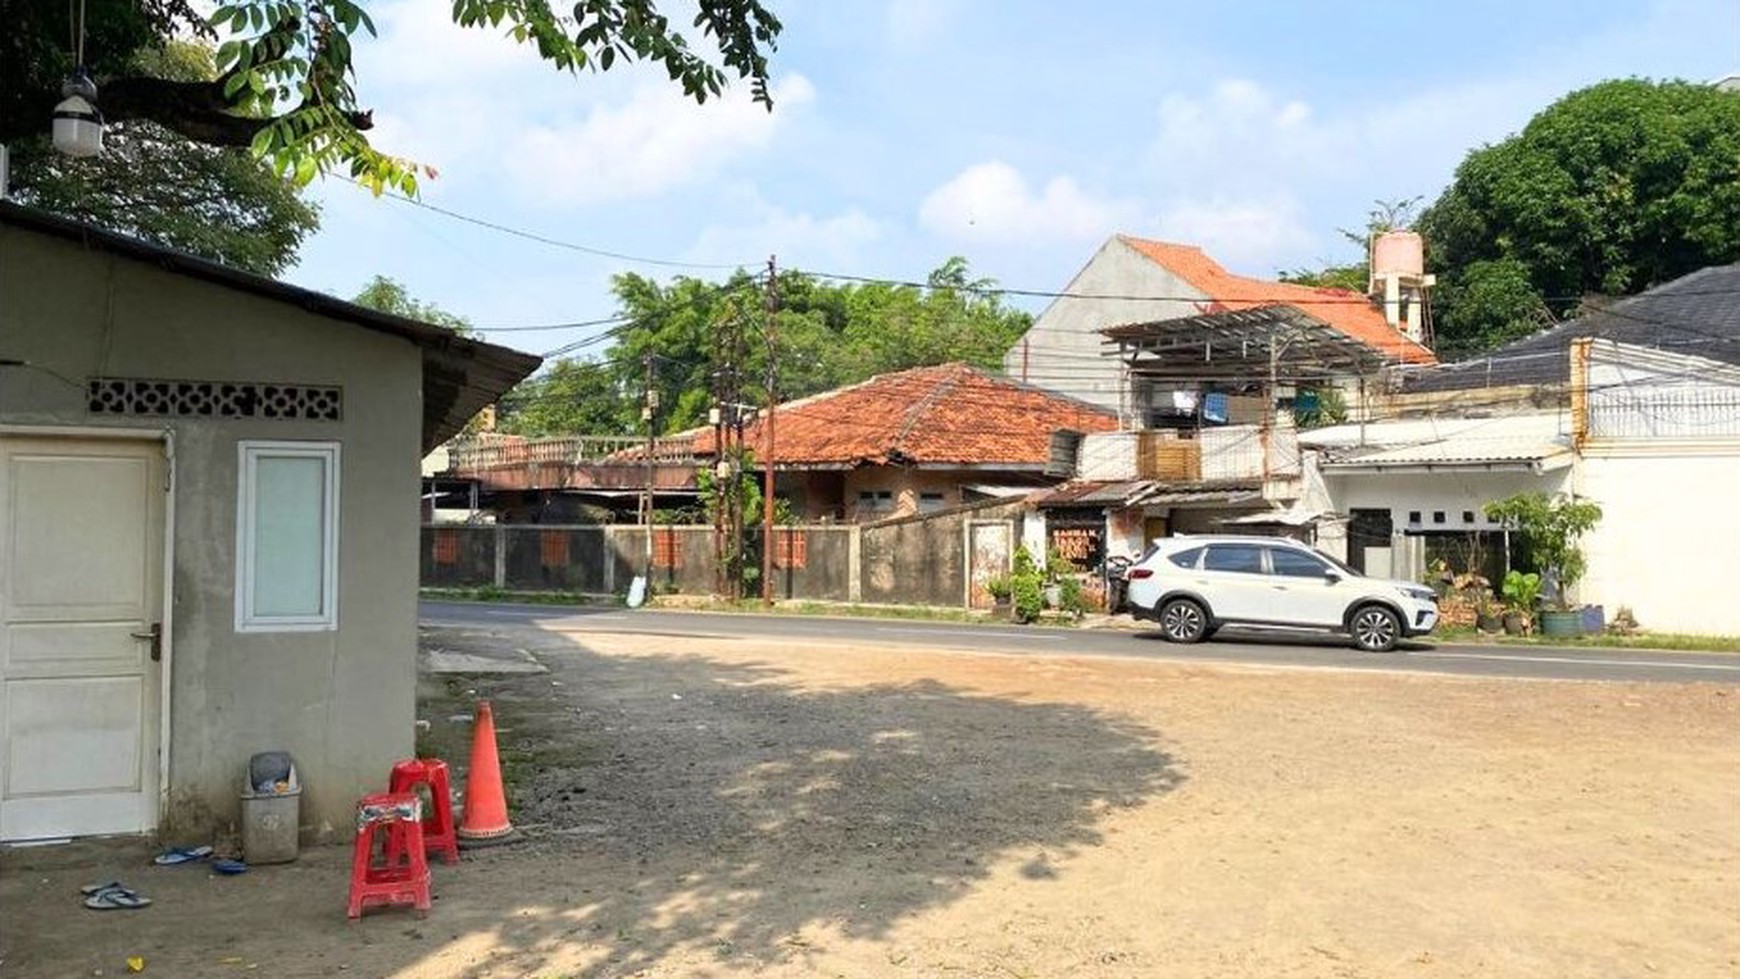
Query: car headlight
x=1422, y=594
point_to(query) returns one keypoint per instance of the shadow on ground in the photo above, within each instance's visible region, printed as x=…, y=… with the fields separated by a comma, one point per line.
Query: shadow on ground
x=685, y=815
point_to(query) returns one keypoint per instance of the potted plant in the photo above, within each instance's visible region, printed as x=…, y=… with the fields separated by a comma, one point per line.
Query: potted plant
x=1521, y=591
x=1552, y=526
x=1000, y=588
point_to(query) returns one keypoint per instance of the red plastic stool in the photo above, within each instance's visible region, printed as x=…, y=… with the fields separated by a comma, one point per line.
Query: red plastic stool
x=438, y=828
x=404, y=878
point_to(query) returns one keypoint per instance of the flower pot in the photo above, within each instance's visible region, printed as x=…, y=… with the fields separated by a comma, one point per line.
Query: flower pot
x=1053, y=595
x=1003, y=609
x=1515, y=624
x=1488, y=622
x=1559, y=623
x=1594, y=619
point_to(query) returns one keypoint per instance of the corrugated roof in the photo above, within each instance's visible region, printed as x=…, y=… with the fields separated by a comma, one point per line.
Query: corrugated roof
x=1350, y=312
x=1696, y=314
x=1537, y=440
x=1092, y=493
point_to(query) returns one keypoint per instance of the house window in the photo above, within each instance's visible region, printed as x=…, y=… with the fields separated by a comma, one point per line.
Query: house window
x=930, y=502
x=287, y=536
x=1413, y=516
x=1468, y=516
x=875, y=500
x=1437, y=516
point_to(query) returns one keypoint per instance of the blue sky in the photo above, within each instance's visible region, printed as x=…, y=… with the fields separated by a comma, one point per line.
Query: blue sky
x=1007, y=131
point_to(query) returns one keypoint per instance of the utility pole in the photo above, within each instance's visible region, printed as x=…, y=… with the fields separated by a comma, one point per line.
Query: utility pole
x=767, y=432
x=648, y=410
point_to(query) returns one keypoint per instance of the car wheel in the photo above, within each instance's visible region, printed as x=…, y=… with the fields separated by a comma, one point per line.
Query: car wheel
x=1182, y=620
x=1375, y=629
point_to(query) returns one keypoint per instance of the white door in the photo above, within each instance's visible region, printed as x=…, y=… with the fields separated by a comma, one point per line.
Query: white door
x=81, y=564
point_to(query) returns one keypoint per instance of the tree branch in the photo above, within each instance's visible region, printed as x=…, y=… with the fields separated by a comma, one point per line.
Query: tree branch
x=197, y=110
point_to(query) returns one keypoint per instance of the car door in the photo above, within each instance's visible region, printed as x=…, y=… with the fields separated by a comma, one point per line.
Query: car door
x=1303, y=591
x=1231, y=577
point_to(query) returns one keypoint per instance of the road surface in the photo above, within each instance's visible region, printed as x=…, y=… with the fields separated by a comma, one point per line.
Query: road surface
x=1522, y=662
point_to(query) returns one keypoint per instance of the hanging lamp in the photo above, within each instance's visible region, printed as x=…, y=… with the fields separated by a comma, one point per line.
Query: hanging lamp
x=78, y=126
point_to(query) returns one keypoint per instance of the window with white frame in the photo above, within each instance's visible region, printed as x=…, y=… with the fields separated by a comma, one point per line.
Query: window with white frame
x=287, y=536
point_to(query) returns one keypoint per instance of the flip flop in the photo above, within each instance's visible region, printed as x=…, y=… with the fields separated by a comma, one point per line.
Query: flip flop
x=107, y=885
x=115, y=898
x=184, y=854
x=230, y=867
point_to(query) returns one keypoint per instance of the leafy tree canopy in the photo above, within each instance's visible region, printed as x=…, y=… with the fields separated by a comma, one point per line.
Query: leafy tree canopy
x=210, y=201
x=285, y=85
x=829, y=335
x=1612, y=189
x=390, y=296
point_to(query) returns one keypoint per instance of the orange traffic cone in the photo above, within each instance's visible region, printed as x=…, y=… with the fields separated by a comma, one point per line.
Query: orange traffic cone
x=486, y=816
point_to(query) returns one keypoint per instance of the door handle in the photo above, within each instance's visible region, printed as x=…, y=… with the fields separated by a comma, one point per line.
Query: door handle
x=156, y=636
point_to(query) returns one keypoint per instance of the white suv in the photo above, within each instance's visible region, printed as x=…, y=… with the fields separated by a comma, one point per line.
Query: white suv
x=1194, y=585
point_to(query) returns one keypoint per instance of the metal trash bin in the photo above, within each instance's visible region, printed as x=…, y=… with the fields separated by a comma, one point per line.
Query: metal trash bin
x=271, y=809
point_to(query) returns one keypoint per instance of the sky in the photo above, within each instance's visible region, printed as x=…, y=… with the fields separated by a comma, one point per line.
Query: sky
x=1019, y=134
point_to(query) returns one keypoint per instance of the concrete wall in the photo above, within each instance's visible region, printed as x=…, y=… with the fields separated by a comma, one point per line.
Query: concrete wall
x=906, y=487
x=1063, y=349
x=603, y=560
x=341, y=701
x=922, y=560
x=1664, y=546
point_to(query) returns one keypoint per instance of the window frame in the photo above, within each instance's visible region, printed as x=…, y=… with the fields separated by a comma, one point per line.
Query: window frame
x=1262, y=567
x=248, y=454
x=1323, y=567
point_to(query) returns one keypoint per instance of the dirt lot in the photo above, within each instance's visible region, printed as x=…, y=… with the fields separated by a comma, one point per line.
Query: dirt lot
x=712, y=807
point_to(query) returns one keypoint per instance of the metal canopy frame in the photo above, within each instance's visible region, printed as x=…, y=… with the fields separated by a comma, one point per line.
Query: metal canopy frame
x=1276, y=342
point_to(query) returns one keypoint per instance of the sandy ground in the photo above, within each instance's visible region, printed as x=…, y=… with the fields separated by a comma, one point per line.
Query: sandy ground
x=712, y=807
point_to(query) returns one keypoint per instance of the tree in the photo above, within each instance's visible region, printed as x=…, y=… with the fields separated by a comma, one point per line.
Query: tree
x=285, y=87
x=390, y=296
x=1610, y=190
x=829, y=335
x=213, y=202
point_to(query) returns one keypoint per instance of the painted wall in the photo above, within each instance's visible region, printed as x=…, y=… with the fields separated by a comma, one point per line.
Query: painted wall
x=1450, y=492
x=1063, y=350
x=1664, y=546
x=342, y=702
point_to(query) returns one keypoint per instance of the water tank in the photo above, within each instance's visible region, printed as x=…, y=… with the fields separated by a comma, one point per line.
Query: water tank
x=1398, y=252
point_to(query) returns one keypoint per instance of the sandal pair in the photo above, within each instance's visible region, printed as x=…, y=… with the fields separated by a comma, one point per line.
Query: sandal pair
x=112, y=896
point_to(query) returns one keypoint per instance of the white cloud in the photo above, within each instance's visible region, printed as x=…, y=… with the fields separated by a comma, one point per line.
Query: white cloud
x=1252, y=235
x=992, y=203
x=657, y=141
x=798, y=239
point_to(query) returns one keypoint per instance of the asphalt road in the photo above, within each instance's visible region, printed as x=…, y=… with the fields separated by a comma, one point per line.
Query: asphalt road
x=1522, y=662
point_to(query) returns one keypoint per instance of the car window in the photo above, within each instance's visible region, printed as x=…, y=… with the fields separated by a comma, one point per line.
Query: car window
x=1234, y=557
x=1293, y=564
x=1186, y=558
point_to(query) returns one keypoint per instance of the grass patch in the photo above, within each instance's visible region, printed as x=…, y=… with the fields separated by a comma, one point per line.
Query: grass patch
x=1670, y=641
x=490, y=593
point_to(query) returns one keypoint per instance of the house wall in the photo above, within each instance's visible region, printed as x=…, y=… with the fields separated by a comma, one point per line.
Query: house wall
x=1448, y=491
x=906, y=486
x=1656, y=548
x=342, y=702
x=1063, y=350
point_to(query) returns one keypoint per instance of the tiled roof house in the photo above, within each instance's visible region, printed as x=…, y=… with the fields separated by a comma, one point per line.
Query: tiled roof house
x=911, y=441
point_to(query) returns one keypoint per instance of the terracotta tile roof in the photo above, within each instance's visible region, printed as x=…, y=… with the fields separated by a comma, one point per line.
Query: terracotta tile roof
x=948, y=414
x=1350, y=312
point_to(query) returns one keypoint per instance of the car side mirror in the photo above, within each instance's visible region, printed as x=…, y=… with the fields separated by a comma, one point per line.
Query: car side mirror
x=1332, y=576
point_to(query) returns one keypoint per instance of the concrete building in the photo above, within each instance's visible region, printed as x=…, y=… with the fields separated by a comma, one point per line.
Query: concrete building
x=1136, y=281
x=208, y=531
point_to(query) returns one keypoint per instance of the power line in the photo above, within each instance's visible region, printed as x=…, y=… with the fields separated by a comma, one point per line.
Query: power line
x=544, y=240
